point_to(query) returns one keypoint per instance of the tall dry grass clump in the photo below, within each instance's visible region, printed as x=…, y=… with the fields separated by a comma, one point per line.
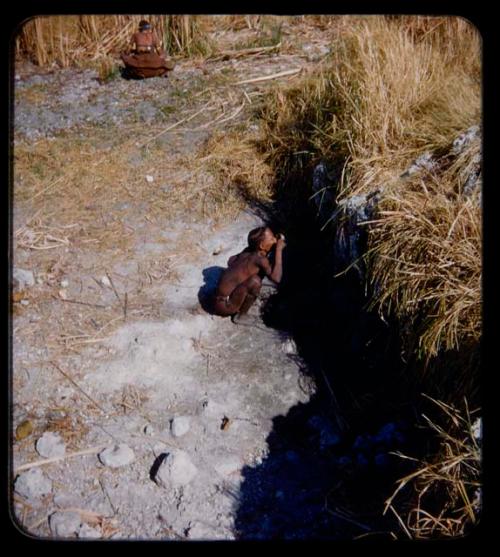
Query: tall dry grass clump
x=392, y=89
x=451, y=474
x=87, y=39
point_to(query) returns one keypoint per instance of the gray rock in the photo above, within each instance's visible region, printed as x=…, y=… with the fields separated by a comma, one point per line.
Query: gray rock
x=423, y=162
x=23, y=278
x=464, y=139
x=116, y=456
x=65, y=524
x=229, y=465
x=180, y=426
x=289, y=346
x=477, y=429
x=33, y=484
x=176, y=470
x=149, y=430
x=200, y=531
x=50, y=445
x=87, y=532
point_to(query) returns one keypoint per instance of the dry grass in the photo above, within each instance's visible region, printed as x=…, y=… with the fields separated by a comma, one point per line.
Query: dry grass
x=392, y=89
x=442, y=500
x=88, y=39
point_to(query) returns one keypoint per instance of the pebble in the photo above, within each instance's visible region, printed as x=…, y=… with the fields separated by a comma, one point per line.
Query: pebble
x=176, y=470
x=105, y=281
x=180, y=426
x=289, y=347
x=65, y=524
x=33, y=484
x=116, y=456
x=25, y=302
x=228, y=466
x=149, y=179
x=50, y=445
x=64, y=283
x=149, y=430
x=24, y=278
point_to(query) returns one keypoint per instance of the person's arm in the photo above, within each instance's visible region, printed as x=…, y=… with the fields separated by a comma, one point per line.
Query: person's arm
x=275, y=273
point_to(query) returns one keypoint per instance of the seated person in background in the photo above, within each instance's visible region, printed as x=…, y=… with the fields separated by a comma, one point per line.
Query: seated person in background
x=145, y=40
x=241, y=282
x=146, y=59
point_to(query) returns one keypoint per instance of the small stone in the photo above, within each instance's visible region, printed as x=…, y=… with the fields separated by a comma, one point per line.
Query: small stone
x=63, y=294
x=176, y=470
x=180, y=426
x=64, y=283
x=217, y=250
x=24, y=278
x=229, y=465
x=50, y=445
x=25, y=302
x=289, y=347
x=149, y=430
x=116, y=456
x=105, y=281
x=33, y=484
x=200, y=531
x=65, y=524
x=149, y=178
x=87, y=531
x=24, y=429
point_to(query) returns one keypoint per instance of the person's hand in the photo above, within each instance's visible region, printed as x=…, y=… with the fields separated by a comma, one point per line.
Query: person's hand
x=281, y=241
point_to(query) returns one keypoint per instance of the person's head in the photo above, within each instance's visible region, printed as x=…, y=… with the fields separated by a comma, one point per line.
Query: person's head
x=261, y=238
x=144, y=25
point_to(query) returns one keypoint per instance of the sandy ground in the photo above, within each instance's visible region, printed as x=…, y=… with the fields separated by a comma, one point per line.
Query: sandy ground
x=185, y=401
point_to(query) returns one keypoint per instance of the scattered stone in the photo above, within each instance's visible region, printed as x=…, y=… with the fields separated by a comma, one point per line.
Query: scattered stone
x=180, y=426
x=23, y=430
x=23, y=278
x=116, y=456
x=50, y=445
x=65, y=524
x=176, y=470
x=33, y=484
x=149, y=430
x=477, y=429
x=63, y=294
x=289, y=346
x=217, y=250
x=25, y=302
x=229, y=465
x=105, y=281
x=64, y=283
x=423, y=162
x=87, y=531
x=149, y=179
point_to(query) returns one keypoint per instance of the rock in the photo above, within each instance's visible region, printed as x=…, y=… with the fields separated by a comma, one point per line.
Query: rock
x=176, y=470
x=229, y=465
x=64, y=283
x=477, y=429
x=23, y=430
x=33, y=484
x=87, y=531
x=149, y=179
x=105, y=281
x=65, y=524
x=423, y=162
x=180, y=426
x=289, y=347
x=50, y=445
x=149, y=430
x=23, y=278
x=116, y=456
x=464, y=139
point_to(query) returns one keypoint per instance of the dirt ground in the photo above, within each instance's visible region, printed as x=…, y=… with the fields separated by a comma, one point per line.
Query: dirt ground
x=118, y=229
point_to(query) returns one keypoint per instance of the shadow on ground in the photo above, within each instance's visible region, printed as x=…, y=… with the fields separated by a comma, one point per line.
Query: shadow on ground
x=328, y=469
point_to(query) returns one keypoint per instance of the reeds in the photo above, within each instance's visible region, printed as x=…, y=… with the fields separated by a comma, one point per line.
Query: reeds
x=79, y=40
x=443, y=495
x=392, y=89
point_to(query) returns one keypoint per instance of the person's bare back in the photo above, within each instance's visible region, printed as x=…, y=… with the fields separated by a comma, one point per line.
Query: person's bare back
x=240, y=283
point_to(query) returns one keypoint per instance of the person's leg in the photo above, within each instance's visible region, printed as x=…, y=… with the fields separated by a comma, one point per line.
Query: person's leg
x=252, y=286
x=242, y=297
